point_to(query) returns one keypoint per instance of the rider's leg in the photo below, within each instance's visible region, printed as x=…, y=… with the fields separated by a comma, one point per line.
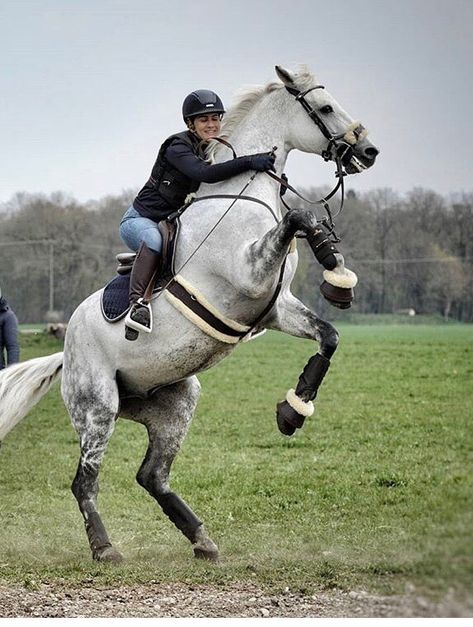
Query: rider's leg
x=143, y=235
x=135, y=229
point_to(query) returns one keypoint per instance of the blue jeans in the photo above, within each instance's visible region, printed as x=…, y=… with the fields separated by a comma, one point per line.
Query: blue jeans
x=135, y=229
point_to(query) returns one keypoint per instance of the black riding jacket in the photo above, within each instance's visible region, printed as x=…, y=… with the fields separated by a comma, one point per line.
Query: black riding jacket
x=177, y=172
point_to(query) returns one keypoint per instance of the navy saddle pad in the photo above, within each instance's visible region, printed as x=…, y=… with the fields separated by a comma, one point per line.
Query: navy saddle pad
x=115, y=303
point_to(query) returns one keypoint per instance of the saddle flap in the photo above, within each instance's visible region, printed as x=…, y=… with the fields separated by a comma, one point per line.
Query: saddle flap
x=169, y=230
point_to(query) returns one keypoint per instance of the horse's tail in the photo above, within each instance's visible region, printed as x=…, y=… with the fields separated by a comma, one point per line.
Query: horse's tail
x=23, y=385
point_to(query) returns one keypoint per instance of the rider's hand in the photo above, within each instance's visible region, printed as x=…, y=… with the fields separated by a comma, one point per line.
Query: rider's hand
x=263, y=162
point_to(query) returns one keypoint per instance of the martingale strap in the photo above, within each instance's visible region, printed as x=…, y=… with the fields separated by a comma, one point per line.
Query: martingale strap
x=196, y=308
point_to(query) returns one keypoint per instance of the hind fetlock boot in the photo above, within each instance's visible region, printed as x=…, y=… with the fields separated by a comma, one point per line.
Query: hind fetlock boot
x=144, y=271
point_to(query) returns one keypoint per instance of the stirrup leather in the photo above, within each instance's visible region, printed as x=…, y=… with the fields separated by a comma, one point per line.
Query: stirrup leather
x=133, y=324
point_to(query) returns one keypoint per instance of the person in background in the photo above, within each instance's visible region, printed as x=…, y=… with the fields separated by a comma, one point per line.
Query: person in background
x=178, y=171
x=9, y=346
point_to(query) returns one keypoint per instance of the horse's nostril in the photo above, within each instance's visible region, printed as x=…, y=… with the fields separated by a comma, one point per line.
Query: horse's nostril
x=371, y=152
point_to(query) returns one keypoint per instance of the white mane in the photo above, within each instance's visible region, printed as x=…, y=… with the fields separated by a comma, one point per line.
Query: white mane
x=246, y=99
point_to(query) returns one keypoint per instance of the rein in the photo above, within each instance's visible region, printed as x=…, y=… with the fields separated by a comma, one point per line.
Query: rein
x=236, y=197
x=340, y=174
x=322, y=201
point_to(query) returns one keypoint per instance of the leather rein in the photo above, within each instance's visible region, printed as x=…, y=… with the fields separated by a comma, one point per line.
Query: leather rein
x=285, y=183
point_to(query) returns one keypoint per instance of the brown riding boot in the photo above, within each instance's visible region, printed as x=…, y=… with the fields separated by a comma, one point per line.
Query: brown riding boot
x=145, y=269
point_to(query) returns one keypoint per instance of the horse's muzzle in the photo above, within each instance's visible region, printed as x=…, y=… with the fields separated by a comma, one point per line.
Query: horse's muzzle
x=363, y=156
x=341, y=297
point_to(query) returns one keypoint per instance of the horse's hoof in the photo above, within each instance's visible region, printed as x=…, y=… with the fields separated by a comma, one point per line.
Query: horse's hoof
x=204, y=547
x=108, y=555
x=203, y=554
x=287, y=418
x=284, y=427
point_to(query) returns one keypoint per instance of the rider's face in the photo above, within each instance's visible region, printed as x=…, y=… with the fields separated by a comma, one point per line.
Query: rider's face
x=207, y=126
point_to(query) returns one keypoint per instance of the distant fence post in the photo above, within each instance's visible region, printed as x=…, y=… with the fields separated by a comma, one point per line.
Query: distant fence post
x=51, y=276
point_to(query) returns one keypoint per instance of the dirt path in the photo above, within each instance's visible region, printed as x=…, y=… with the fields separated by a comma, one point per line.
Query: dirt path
x=235, y=600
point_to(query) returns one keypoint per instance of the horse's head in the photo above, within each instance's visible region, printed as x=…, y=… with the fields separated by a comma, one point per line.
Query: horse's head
x=319, y=125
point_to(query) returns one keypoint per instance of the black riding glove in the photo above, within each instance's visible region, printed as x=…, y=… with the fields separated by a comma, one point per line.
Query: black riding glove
x=262, y=162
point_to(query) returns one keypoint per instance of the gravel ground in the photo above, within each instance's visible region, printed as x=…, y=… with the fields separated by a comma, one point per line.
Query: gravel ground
x=233, y=600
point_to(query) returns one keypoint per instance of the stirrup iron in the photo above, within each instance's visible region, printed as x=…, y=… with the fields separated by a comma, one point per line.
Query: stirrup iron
x=132, y=324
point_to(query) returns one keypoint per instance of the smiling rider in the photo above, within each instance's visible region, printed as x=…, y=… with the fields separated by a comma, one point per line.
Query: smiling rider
x=179, y=169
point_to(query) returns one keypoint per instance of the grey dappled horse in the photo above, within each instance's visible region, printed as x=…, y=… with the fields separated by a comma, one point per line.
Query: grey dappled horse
x=153, y=380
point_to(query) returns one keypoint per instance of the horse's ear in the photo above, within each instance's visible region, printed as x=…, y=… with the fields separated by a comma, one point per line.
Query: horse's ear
x=287, y=77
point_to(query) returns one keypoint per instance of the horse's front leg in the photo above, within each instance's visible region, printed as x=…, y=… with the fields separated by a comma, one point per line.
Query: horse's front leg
x=292, y=317
x=262, y=259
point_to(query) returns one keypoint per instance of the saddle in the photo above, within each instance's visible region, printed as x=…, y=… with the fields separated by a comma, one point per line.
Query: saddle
x=115, y=298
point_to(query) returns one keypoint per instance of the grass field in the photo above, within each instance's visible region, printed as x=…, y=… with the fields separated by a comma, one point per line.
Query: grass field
x=374, y=492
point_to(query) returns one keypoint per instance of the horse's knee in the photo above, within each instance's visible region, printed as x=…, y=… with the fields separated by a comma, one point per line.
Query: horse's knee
x=145, y=480
x=301, y=219
x=76, y=487
x=84, y=487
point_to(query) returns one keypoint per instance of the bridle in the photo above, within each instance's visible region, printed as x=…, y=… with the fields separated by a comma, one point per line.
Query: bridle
x=339, y=149
x=339, y=146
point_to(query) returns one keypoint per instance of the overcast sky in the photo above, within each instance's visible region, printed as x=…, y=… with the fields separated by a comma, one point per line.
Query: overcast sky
x=90, y=88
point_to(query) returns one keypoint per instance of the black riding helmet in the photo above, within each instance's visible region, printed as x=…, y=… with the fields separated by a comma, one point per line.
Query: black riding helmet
x=200, y=102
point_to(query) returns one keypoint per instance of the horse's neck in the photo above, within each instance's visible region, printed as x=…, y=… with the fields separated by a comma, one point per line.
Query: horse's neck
x=260, y=131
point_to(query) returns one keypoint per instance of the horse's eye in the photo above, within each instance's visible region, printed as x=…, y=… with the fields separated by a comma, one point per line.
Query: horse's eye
x=326, y=109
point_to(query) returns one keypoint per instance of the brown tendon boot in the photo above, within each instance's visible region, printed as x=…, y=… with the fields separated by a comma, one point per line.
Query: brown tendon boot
x=145, y=269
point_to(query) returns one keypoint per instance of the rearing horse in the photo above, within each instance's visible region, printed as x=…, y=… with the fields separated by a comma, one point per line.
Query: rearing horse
x=245, y=253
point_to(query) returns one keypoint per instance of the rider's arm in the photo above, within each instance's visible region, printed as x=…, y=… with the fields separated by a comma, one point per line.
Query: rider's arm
x=181, y=157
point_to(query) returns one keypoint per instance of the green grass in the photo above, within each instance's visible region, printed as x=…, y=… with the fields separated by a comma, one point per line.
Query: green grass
x=374, y=492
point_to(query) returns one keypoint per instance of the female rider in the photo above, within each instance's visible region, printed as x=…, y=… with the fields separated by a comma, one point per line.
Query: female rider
x=179, y=169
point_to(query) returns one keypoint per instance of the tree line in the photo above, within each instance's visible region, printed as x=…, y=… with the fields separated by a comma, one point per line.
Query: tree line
x=411, y=252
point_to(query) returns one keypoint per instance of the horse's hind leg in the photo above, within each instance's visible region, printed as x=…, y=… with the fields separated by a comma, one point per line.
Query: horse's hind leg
x=167, y=416
x=93, y=414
